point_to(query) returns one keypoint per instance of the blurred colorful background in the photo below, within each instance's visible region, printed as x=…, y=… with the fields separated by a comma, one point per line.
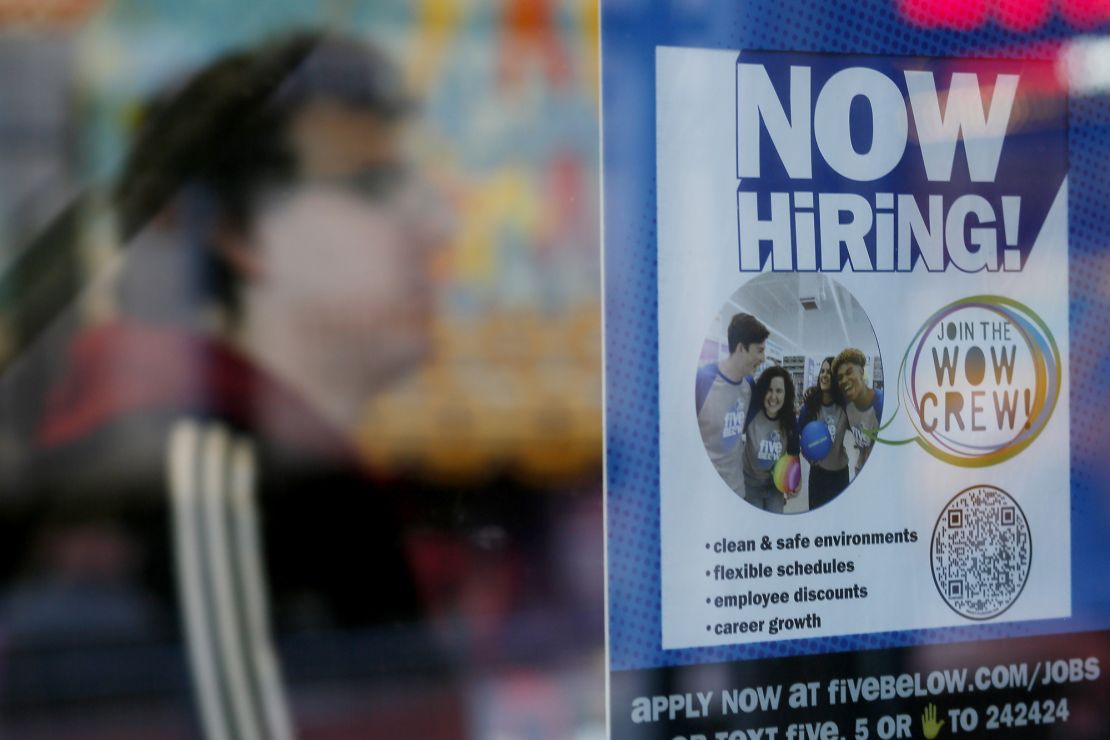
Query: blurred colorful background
x=509, y=136
x=506, y=416
x=503, y=424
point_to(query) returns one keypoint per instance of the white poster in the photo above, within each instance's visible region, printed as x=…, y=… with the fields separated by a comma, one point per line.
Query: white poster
x=863, y=344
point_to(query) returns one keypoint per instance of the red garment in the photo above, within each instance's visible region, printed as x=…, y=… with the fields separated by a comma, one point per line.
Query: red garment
x=123, y=368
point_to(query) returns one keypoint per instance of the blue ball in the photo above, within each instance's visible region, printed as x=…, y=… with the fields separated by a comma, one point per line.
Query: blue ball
x=816, y=442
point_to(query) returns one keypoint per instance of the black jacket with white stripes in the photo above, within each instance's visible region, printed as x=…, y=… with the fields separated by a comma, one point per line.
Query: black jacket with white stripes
x=161, y=548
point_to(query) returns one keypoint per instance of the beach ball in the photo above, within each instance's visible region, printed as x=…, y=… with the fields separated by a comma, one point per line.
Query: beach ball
x=787, y=473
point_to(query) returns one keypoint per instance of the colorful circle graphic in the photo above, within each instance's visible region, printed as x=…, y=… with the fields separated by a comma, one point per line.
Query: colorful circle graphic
x=980, y=380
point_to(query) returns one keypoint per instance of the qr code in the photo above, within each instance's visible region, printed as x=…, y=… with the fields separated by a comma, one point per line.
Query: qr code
x=981, y=552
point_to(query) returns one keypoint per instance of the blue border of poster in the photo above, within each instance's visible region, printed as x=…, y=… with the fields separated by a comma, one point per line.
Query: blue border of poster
x=630, y=34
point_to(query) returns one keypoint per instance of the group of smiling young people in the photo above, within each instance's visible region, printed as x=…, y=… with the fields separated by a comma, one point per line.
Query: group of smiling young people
x=748, y=423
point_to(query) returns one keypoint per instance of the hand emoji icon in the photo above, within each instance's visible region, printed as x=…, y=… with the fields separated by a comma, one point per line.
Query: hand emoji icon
x=930, y=727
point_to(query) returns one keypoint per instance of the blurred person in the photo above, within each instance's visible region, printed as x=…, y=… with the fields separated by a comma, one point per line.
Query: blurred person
x=863, y=404
x=722, y=397
x=829, y=475
x=277, y=277
x=770, y=431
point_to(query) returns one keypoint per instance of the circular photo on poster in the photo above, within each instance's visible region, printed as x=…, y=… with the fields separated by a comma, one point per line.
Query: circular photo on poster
x=789, y=391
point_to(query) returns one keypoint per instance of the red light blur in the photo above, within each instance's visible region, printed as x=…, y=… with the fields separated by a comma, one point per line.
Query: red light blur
x=1022, y=15
x=1085, y=13
x=945, y=13
x=1016, y=15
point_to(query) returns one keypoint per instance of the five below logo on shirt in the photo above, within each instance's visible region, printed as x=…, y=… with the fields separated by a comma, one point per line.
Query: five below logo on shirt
x=862, y=438
x=894, y=164
x=770, y=450
x=734, y=426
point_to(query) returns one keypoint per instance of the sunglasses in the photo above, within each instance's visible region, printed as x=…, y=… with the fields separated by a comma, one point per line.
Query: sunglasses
x=375, y=183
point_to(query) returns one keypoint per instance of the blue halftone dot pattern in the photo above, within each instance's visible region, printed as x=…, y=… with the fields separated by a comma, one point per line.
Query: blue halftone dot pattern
x=630, y=35
x=1089, y=286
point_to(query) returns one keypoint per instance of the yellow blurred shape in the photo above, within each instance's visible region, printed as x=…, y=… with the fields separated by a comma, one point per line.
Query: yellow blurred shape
x=507, y=200
x=438, y=22
x=515, y=391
